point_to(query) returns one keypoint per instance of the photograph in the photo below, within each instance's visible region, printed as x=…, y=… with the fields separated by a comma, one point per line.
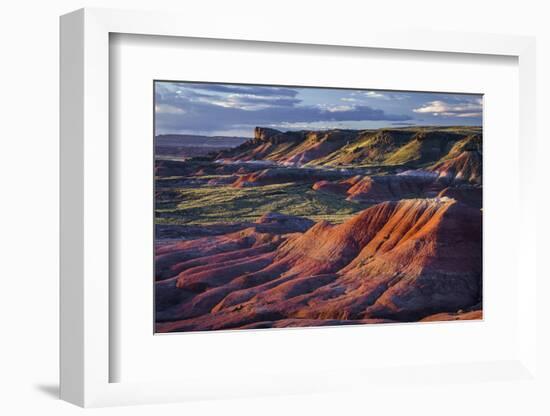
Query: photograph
x=281, y=206
x=247, y=208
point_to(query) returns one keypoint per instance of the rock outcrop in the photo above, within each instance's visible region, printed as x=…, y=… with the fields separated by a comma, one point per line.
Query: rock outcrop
x=277, y=175
x=373, y=189
x=413, y=147
x=396, y=261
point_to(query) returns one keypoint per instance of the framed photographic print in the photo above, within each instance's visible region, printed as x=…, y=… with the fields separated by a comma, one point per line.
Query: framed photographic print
x=282, y=206
x=321, y=213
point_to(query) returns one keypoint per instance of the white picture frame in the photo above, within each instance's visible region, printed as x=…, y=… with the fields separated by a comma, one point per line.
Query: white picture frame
x=85, y=210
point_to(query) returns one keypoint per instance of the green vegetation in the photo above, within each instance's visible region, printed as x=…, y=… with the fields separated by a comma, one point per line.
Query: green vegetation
x=412, y=151
x=467, y=144
x=368, y=148
x=419, y=146
x=215, y=204
x=183, y=195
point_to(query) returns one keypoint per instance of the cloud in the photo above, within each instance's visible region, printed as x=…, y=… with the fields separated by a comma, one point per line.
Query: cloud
x=207, y=117
x=239, y=89
x=340, y=108
x=463, y=109
x=211, y=107
x=168, y=109
x=360, y=95
x=254, y=102
x=229, y=96
x=366, y=96
x=374, y=94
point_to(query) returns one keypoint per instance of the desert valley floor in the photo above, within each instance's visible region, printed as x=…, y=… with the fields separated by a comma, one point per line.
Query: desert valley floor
x=314, y=228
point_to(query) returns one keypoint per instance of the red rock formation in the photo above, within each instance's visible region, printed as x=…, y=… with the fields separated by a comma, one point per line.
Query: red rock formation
x=469, y=195
x=401, y=261
x=464, y=167
x=382, y=188
x=412, y=147
x=387, y=188
x=283, y=175
x=339, y=187
x=459, y=316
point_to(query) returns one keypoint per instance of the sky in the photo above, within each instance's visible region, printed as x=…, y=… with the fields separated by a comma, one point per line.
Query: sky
x=235, y=109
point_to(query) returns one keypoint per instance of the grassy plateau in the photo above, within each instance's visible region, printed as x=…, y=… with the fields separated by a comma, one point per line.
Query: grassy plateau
x=215, y=204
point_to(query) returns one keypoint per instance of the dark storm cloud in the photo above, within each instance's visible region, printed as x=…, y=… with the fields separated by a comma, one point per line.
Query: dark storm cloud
x=227, y=107
x=208, y=117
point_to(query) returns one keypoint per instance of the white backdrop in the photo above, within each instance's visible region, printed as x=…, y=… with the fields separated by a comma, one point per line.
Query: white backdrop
x=137, y=60
x=29, y=172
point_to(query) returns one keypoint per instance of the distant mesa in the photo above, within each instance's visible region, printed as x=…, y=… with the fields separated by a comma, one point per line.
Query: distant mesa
x=187, y=145
x=262, y=134
x=459, y=167
x=407, y=146
x=187, y=140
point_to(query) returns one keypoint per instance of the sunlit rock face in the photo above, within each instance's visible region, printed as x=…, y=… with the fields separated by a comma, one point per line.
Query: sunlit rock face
x=396, y=261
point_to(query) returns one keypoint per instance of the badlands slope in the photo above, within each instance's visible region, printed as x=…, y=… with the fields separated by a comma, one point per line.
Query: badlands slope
x=396, y=261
